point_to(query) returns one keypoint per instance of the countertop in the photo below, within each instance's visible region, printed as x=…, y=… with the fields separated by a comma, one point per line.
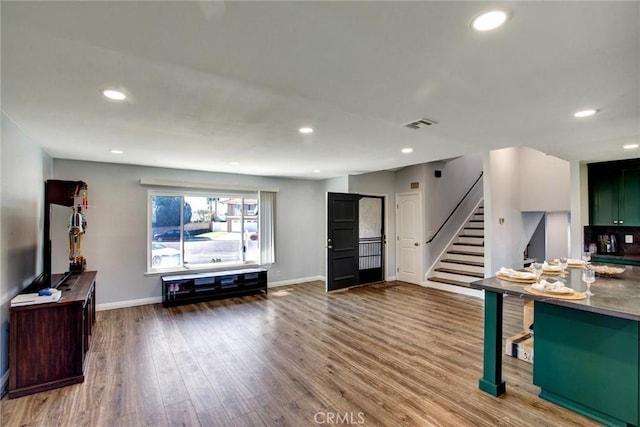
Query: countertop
x=618, y=296
x=625, y=257
x=75, y=290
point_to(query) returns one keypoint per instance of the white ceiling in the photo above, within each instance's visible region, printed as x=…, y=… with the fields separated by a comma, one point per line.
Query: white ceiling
x=214, y=83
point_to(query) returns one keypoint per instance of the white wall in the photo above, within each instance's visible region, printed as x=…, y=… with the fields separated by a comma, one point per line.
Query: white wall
x=115, y=243
x=530, y=222
x=557, y=228
x=522, y=179
x=23, y=170
x=503, y=241
x=339, y=184
x=579, y=207
x=381, y=184
x=545, y=181
x=546, y=185
x=443, y=194
x=534, y=233
x=409, y=174
x=538, y=241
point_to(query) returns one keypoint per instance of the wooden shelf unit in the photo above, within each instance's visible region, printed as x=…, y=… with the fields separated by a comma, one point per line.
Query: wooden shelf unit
x=198, y=287
x=48, y=343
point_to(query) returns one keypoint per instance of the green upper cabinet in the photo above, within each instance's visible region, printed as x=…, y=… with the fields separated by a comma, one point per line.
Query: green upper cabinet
x=603, y=200
x=630, y=204
x=614, y=193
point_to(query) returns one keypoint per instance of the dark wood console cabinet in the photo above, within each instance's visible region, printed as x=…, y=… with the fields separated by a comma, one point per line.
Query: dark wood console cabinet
x=198, y=287
x=48, y=343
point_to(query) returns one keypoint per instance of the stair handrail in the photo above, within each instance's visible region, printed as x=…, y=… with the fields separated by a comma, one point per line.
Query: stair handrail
x=454, y=209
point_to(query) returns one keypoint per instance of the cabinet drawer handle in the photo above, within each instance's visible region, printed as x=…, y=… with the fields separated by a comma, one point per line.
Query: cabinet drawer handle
x=620, y=222
x=615, y=222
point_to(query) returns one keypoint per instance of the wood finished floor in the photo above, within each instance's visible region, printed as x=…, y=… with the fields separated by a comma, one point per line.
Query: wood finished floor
x=381, y=355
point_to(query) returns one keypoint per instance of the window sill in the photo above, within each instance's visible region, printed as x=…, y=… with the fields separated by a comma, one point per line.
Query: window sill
x=204, y=269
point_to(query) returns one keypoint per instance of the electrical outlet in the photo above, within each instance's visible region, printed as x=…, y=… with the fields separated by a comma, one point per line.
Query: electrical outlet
x=628, y=238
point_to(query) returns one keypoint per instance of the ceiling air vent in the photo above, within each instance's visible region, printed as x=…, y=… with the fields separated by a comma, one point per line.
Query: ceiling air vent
x=420, y=123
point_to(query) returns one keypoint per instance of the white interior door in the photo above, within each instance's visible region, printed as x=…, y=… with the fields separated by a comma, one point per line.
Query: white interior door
x=410, y=241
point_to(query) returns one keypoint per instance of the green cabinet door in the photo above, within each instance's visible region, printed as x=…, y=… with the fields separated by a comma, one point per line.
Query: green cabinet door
x=604, y=194
x=630, y=198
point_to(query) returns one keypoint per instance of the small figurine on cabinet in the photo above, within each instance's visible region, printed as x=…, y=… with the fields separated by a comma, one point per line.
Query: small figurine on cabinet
x=77, y=227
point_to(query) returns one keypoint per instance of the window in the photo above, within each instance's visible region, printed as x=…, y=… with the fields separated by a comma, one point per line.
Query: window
x=205, y=230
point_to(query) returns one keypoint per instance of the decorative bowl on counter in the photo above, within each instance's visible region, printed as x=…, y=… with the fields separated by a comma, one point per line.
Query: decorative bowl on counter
x=607, y=270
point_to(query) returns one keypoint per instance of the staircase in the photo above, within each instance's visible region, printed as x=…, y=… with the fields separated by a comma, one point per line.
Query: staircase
x=463, y=261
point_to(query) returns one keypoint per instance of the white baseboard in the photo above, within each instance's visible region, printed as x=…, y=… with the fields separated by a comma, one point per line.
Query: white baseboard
x=455, y=289
x=390, y=278
x=128, y=303
x=157, y=300
x=295, y=281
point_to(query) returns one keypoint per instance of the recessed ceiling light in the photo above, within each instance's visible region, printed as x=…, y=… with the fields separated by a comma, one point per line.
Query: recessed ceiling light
x=585, y=113
x=117, y=152
x=306, y=130
x=490, y=20
x=630, y=146
x=114, y=94
x=234, y=163
x=316, y=171
x=407, y=150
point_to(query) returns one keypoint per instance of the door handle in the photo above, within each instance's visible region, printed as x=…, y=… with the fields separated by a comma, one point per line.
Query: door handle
x=416, y=244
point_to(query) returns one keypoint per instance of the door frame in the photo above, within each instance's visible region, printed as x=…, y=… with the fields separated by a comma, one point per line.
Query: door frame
x=422, y=238
x=385, y=231
x=383, y=219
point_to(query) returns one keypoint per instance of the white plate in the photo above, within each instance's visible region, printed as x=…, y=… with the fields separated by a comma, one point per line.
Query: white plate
x=560, y=291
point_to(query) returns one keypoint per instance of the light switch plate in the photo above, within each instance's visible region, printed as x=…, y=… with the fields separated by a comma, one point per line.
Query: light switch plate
x=628, y=238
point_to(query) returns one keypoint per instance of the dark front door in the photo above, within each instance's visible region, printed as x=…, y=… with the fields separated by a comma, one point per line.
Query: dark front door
x=342, y=241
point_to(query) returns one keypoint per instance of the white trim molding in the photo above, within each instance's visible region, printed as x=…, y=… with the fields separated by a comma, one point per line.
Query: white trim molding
x=129, y=303
x=460, y=290
x=295, y=281
x=158, y=300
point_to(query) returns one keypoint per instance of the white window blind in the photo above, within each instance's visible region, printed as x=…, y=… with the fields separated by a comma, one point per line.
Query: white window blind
x=267, y=205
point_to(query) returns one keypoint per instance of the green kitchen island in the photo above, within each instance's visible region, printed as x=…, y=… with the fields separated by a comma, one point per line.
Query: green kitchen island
x=586, y=352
